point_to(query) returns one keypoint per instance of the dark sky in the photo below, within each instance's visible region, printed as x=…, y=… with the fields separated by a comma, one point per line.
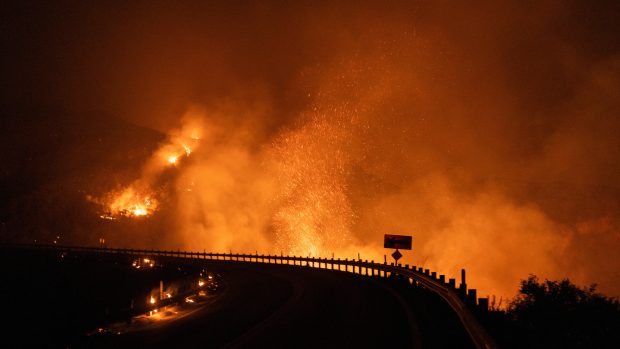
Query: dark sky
x=494, y=125
x=146, y=60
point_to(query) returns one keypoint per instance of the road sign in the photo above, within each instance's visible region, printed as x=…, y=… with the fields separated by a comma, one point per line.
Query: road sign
x=396, y=255
x=402, y=242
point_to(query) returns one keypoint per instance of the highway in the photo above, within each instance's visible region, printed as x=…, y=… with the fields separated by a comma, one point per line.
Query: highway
x=280, y=306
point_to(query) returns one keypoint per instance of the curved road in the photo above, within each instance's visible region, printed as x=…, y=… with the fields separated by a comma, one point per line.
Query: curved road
x=279, y=306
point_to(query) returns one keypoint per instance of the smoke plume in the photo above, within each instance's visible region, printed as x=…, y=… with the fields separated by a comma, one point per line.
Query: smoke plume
x=488, y=131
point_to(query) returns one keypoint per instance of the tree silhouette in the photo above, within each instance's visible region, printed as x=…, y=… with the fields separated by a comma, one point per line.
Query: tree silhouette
x=559, y=314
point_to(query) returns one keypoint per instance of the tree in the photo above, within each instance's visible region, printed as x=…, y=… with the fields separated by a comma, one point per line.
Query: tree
x=559, y=314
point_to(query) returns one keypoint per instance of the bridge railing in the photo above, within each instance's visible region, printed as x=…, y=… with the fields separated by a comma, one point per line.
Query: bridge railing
x=460, y=299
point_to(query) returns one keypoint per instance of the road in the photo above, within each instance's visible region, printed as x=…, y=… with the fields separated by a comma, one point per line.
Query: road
x=281, y=306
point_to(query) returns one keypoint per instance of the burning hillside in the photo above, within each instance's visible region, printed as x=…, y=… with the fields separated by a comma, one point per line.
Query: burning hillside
x=488, y=131
x=141, y=198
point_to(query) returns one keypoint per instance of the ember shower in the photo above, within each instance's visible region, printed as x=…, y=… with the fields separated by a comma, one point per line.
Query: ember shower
x=487, y=131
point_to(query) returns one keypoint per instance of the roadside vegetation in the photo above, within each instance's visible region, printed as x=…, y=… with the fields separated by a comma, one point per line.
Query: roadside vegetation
x=557, y=314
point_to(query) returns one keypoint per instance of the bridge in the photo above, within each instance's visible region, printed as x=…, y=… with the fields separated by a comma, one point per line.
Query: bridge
x=462, y=301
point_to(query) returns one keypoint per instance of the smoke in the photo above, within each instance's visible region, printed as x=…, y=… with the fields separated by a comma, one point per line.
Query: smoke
x=413, y=132
x=347, y=172
x=488, y=131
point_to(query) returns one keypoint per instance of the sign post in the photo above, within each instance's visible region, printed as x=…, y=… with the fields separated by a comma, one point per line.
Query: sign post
x=397, y=242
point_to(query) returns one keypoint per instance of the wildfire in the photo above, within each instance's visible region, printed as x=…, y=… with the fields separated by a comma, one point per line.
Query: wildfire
x=146, y=262
x=315, y=215
x=173, y=153
x=138, y=200
x=128, y=203
x=139, y=210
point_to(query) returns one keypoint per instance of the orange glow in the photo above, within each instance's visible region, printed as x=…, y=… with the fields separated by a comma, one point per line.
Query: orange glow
x=201, y=283
x=138, y=200
x=152, y=300
x=146, y=262
x=138, y=210
x=439, y=127
x=128, y=203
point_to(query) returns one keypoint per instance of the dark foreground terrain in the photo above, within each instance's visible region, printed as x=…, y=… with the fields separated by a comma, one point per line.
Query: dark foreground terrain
x=54, y=301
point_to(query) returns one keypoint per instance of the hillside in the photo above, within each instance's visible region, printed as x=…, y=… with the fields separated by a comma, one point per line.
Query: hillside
x=52, y=159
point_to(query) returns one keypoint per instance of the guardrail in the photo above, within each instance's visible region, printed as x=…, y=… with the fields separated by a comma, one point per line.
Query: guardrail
x=459, y=299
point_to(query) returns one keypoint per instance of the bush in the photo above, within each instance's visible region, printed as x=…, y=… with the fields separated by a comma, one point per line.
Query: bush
x=559, y=314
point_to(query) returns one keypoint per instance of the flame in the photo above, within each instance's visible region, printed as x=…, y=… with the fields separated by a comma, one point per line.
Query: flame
x=146, y=262
x=139, y=210
x=138, y=199
x=128, y=203
x=152, y=300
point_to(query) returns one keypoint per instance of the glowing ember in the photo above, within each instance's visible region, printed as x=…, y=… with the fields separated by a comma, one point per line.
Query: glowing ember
x=316, y=215
x=201, y=283
x=172, y=159
x=188, y=150
x=152, y=300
